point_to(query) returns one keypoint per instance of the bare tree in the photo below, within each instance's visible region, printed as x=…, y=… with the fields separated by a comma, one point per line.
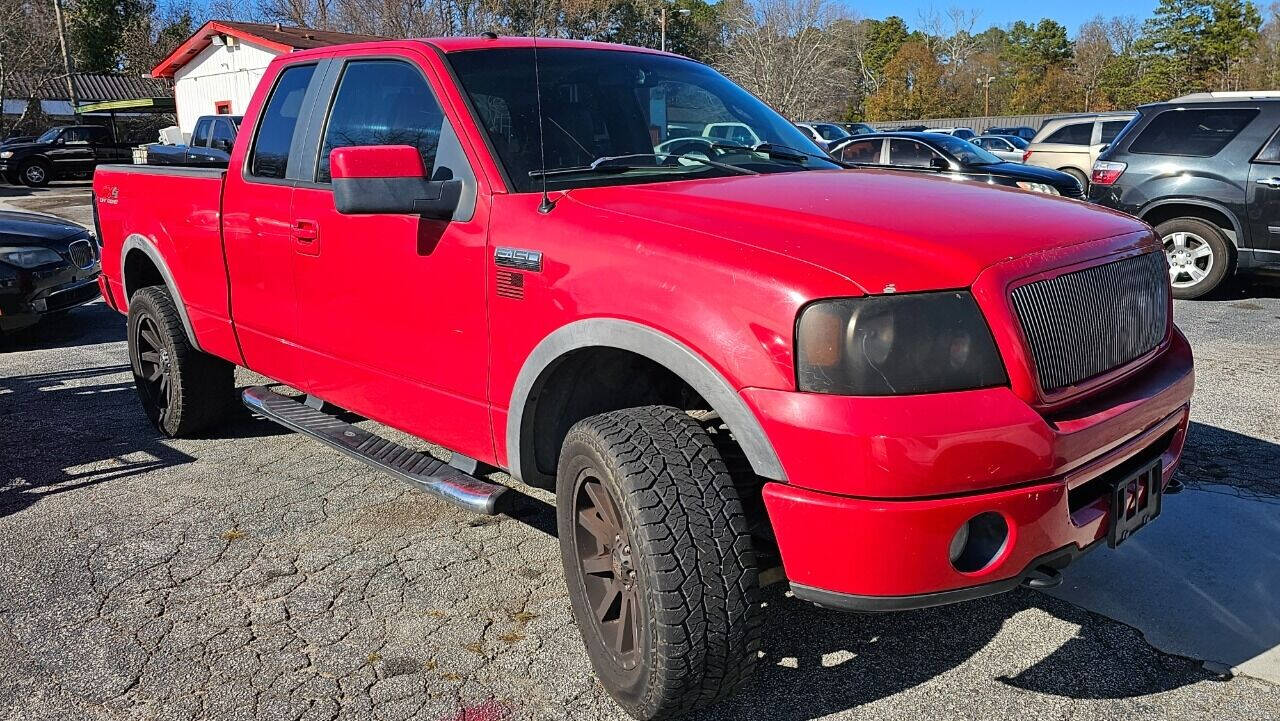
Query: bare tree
x=29, y=57
x=1094, y=49
x=949, y=34
x=785, y=52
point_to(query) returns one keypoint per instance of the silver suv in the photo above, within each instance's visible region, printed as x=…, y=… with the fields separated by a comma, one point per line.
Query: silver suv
x=1072, y=144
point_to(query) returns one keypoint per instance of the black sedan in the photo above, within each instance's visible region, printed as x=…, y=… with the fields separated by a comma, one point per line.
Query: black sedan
x=47, y=265
x=948, y=155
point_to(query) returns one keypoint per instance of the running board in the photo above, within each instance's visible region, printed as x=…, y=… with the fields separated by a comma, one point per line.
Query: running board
x=419, y=470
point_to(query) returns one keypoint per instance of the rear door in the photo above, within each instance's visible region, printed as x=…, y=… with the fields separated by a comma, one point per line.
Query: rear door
x=256, y=228
x=392, y=308
x=71, y=152
x=199, y=139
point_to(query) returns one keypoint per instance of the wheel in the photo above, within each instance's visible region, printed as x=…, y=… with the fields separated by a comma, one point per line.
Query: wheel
x=1080, y=177
x=658, y=560
x=1199, y=256
x=34, y=174
x=182, y=390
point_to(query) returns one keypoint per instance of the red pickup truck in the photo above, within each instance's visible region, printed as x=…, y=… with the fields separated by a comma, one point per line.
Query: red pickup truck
x=729, y=361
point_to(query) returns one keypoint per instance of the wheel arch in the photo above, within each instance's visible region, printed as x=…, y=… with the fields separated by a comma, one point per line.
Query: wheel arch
x=655, y=346
x=139, y=249
x=1206, y=210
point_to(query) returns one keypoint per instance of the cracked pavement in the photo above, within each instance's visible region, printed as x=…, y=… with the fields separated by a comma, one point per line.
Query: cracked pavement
x=255, y=574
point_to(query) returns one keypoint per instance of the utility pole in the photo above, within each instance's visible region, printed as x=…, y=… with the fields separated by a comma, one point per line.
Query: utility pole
x=662, y=22
x=66, y=57
x=986, y=94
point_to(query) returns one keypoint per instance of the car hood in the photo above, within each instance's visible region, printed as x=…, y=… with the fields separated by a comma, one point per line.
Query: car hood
x=882, y=229
x=19, y=147
x=33, y=229
x=1030, y=172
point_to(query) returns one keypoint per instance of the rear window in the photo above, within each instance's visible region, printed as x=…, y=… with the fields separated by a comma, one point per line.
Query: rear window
x=1199, y=133
x=270, y=157
x=1111, y=129
x=1073, y=134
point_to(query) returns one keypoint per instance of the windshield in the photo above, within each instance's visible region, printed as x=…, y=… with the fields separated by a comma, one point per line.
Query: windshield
x=49, y=135
x=963, y=150
x=610, y=103
x=831, y=132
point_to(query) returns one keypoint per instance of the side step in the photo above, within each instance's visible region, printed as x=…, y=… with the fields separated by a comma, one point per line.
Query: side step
x=417, y=469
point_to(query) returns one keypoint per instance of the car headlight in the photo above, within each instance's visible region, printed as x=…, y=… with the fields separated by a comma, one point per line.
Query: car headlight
x=1038, y=187
x=6, y=154
x=28, y=257
x=896, y=345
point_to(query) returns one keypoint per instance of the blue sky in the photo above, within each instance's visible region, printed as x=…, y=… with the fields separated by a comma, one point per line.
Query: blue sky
x=994, y=12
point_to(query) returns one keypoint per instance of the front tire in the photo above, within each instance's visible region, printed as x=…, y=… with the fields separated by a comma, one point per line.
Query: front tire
x=182, y=390
x=658, y=560
x=34, y=174
x=1199, y=256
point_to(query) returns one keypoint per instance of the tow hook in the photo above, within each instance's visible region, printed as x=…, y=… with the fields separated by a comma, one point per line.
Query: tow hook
x=1042, y=577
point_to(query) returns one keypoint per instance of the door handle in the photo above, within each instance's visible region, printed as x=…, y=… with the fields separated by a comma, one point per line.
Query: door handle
x=1269, y=182
x=305, y=231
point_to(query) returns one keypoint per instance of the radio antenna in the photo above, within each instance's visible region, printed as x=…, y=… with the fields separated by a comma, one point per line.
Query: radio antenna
x=546, y=205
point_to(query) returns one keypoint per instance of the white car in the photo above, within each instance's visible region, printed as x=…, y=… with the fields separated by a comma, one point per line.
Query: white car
x=962, y=133
x=1005, y=147
x=824, y=134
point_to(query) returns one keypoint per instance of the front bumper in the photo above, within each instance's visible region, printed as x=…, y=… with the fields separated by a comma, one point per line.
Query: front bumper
x=32, y=296
x=877, y=536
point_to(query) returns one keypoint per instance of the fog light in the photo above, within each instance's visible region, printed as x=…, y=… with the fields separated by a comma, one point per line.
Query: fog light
x=979, y=542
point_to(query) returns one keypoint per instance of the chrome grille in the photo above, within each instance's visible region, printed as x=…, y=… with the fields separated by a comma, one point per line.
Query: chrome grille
x=1090, y=321
x=81, y=253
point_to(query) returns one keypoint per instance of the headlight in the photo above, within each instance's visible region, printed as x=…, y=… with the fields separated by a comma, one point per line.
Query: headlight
x=28, y=257
x=6, y=154
x=896, y=345
x=1038, y=187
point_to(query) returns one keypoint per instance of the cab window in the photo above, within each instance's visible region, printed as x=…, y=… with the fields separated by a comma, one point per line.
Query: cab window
x=382, y=102
x=270, y=154
x=200, y=136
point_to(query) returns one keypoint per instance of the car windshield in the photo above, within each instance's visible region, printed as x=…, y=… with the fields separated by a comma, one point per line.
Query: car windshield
x=49, y=135
x=963, y=150
x=665, y=114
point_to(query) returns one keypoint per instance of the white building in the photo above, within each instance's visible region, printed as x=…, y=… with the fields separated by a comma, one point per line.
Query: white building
x=217, y=69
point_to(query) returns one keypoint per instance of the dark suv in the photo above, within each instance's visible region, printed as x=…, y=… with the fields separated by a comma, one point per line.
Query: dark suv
x=1203, y=169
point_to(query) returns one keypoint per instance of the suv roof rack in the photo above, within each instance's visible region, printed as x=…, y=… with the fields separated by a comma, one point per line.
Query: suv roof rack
x=1227, y=95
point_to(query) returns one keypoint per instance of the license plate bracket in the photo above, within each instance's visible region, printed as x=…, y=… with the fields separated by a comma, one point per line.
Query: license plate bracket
x=1135, y=502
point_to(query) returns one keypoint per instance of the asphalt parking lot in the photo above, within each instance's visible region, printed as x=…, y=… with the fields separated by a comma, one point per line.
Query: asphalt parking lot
x=258, y=575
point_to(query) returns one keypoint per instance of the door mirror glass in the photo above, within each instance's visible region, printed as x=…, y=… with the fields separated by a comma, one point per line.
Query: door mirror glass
x=389, y=179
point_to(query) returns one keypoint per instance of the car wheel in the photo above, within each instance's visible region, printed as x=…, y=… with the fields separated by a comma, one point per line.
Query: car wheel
x=34, y=174
x=658, y=560
x=1199, y=256
x=182, y=390
x=1080, y=177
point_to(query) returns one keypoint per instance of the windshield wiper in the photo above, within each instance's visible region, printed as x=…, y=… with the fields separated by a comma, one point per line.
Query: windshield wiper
x=781, y=152
x=613, y=164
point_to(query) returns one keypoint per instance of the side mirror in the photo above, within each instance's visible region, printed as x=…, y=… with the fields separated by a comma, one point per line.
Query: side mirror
x=938, y=163
x=389, y=179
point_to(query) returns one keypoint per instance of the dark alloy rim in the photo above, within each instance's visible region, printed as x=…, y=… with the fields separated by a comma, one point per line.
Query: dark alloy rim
x=155, y=370
x=608, y=571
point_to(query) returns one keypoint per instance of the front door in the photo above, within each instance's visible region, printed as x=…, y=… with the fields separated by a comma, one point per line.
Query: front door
x=71, y=153
x=392, y=307
x=258, y=236
x=1263, y=202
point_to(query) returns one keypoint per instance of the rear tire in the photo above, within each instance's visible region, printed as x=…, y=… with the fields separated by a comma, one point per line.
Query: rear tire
x=1080, y=177
x=658, y=560
x=1199, y=255
x=182, y=390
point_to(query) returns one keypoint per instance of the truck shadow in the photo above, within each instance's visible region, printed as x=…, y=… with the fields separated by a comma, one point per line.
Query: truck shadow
x=91, y=324
x=66, y=430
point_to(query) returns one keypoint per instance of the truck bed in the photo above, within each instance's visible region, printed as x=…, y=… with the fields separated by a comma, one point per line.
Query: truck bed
x=174, y=219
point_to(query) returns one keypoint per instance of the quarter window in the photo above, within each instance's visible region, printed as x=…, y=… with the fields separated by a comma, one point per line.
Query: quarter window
x=1110, y=129
x=1200, y=133
x=382, y=102
x=1073, y=134
x=270, y=154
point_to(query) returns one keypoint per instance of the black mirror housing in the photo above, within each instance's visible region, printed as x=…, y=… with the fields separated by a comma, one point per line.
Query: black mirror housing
x=434, y=199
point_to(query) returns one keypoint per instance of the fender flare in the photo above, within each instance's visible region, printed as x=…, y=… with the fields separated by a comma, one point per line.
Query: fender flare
x=1212, y=205
x=142, y=243
x=692, y=368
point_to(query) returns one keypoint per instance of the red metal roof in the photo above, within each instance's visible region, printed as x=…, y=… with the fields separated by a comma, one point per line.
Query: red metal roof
x=276, y=37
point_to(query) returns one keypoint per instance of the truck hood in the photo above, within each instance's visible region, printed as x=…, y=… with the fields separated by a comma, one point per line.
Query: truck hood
x=884, y=230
